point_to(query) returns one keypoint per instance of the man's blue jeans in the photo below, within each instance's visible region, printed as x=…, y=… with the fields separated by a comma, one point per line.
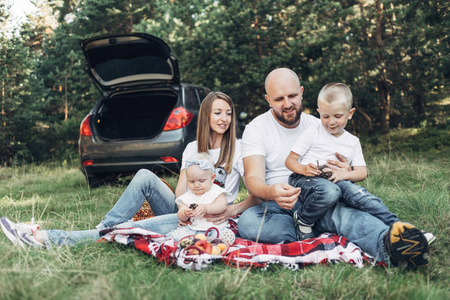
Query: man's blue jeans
x=318, y=195
x=144, y=186
x=268, y=223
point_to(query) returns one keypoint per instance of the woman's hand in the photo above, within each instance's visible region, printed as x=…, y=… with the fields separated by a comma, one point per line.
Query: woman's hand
x=222, y=217
x=183, y=223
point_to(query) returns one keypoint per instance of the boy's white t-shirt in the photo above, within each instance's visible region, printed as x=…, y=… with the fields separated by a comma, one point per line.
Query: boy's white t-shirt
x=265, y=136
x=230, y=182
x=317, y=144
x=200, y=223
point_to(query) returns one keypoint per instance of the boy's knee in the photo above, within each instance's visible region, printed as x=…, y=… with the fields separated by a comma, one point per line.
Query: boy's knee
x=330, y=192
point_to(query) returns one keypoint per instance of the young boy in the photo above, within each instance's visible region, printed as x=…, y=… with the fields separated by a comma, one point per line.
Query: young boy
x=321, y=143
x=202, y=198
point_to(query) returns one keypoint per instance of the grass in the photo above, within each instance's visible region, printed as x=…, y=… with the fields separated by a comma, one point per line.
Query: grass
x=414, y=185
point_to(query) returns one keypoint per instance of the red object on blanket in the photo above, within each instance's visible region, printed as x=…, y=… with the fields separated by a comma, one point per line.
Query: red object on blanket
x=244, y=253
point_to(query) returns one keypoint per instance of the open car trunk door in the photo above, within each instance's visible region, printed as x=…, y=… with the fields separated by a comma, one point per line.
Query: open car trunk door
x=129, y=60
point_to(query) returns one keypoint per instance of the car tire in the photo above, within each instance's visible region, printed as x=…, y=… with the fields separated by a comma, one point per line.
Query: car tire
x=95, y=180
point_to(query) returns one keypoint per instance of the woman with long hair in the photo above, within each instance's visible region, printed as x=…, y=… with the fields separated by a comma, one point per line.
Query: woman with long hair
x=216, y=135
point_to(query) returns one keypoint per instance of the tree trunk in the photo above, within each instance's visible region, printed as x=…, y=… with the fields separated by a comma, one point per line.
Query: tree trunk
x=382, y=82
x=383, y=91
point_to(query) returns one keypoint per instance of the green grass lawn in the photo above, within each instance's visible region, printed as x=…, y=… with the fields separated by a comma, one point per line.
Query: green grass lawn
x=413, y=185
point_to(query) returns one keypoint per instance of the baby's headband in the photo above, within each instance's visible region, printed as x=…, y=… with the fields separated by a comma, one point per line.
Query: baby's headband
x=202, y=163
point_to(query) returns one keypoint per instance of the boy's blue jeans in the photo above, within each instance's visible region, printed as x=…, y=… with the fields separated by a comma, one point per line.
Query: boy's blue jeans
x=358, y=197
x=325, y=194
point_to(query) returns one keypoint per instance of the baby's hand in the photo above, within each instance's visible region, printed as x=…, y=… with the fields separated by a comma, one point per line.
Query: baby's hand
x=199, y=211
x=189, y=212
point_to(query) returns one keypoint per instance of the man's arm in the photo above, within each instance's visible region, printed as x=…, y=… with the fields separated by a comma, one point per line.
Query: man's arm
x=285, y=195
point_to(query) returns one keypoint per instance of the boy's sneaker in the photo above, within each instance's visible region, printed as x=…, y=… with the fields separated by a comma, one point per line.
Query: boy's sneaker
x=406, y=244
x=302, y=230
x=19, y=234
x=429, y=236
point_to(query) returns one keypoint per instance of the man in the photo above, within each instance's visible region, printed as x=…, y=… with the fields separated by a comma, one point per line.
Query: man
x=266, y=143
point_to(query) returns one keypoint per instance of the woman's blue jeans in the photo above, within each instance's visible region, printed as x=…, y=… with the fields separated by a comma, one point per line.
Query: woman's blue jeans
x=144, y=186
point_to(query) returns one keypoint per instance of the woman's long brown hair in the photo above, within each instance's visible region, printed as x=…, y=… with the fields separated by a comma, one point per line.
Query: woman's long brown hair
x=227, y=147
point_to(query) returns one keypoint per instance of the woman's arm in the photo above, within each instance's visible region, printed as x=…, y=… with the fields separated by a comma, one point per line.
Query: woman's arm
x=181, y=185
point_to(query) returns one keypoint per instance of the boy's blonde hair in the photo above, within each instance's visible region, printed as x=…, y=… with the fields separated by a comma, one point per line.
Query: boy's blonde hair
x=332, y=92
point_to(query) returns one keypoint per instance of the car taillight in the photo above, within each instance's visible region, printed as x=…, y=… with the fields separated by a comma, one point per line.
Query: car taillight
x=179, y=118
x=89, y=162
x=85, y=129
x=168, y=159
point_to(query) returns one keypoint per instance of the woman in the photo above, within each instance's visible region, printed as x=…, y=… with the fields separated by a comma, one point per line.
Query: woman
x=216, y=135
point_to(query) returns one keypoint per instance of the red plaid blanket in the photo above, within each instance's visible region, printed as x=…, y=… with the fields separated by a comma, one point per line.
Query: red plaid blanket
x=243, y=253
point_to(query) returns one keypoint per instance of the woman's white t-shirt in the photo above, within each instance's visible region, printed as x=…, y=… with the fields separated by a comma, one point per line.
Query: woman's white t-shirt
x=230, y=182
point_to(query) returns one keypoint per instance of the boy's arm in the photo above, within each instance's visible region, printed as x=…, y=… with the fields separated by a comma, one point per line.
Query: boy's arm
x=296, y=167
x=359, y=173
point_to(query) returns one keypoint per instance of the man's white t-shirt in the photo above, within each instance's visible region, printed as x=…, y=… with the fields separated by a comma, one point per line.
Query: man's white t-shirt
x=265, y=136
x=317, y=144
x=230, y=182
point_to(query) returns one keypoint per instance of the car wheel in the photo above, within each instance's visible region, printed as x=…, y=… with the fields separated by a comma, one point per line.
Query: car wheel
x=95, y=180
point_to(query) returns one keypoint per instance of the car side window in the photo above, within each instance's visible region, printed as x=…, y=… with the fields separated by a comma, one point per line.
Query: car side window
x=201, y=93
x=191, y=100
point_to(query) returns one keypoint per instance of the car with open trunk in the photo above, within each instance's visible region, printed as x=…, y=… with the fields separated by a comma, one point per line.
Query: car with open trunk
x=145, y=116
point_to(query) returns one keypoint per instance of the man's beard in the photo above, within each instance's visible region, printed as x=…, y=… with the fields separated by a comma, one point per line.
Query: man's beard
x=291, y=121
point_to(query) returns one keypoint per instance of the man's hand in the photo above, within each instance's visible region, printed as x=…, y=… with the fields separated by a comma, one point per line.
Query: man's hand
x=284, y=195
x=341, y=164
x=339, y=168
x=338, y=175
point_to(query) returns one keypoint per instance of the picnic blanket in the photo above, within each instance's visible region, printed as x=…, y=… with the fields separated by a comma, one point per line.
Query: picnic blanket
x=327, y=248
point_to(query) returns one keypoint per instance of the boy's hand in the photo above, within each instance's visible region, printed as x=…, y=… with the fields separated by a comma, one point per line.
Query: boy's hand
x=312, y=170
